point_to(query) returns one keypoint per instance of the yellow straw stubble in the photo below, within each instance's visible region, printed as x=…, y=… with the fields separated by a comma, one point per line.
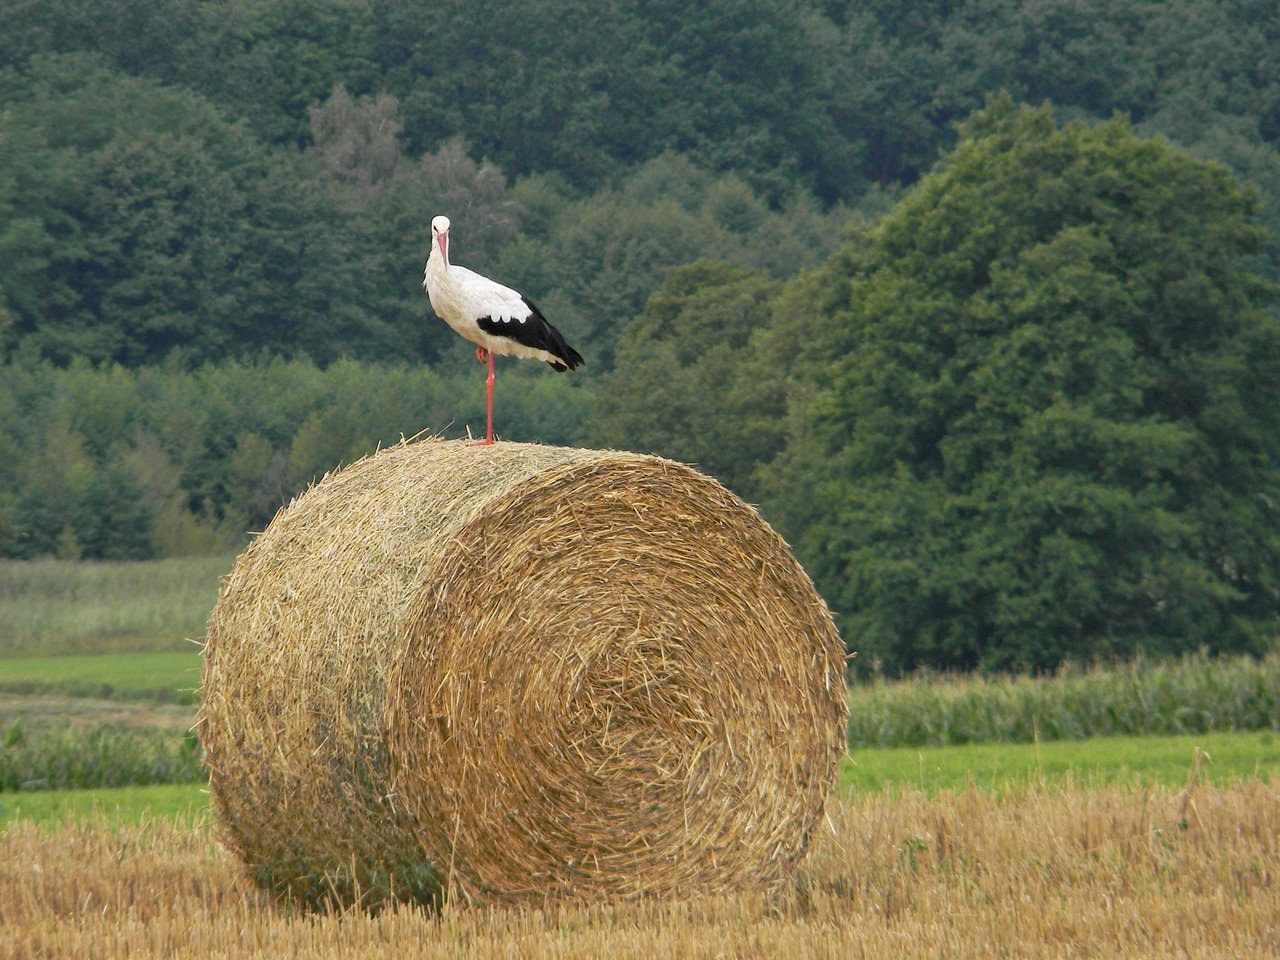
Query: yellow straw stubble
x=516, y=674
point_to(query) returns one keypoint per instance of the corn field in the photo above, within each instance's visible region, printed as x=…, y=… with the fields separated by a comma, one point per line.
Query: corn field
x=1194, y=694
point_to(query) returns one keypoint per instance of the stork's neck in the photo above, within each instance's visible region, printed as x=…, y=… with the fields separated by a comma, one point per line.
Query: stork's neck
x=437, y=271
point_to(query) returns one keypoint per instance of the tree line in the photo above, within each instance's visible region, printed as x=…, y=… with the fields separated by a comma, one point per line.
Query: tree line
x=117, y=463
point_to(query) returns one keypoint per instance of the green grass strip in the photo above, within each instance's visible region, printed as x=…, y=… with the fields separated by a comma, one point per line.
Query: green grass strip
x=1152, y=761
x=113, y=806
x=167, y=677
x=70, y=758
x=1155, y=761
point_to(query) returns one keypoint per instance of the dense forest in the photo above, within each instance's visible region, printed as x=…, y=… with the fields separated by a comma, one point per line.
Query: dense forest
x=977, y=300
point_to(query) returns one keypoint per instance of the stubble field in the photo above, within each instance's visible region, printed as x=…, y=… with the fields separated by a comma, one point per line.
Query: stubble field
x=1030, y=872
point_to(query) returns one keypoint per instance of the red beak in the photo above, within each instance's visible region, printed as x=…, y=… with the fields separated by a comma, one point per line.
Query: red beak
x=442, y=241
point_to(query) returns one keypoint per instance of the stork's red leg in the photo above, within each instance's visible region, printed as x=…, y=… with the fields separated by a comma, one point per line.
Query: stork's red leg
x=482, y=355
x=488, y=400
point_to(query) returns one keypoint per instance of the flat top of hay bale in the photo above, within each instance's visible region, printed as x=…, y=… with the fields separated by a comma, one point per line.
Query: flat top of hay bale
x=552, y=672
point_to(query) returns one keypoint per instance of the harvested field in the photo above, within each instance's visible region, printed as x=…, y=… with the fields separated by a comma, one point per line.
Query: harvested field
x=1101, y=873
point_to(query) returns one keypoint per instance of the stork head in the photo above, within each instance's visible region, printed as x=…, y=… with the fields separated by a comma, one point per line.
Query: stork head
x=440, y=235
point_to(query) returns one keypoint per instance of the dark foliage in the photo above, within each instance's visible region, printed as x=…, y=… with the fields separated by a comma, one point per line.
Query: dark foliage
x=1052, y=437
x=200, y=188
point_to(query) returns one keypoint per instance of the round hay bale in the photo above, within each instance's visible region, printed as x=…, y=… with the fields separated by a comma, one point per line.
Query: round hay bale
x=519, y=673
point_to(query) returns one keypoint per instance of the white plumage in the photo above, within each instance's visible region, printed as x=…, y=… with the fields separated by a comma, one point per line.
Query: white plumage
x=490, y=315
x=497, y=319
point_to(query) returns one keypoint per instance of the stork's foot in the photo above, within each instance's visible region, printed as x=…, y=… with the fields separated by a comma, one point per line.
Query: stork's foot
x=482, y=355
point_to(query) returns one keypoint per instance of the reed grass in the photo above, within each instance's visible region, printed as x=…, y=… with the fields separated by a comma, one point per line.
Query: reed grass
x=63, y=606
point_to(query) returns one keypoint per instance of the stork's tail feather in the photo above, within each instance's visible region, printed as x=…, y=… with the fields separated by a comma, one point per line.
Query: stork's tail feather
x=568, y=358
x=552, y=340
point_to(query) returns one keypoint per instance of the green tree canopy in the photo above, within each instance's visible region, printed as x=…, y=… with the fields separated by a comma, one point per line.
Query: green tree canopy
x=141, y=223
x=1050, y=437
x=680, y=387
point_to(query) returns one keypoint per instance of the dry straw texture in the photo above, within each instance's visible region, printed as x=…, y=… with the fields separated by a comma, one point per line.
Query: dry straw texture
x=522, y=673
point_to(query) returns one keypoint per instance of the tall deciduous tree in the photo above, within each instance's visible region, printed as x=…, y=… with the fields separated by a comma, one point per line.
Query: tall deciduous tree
x=1053, y=436
x=680, y=387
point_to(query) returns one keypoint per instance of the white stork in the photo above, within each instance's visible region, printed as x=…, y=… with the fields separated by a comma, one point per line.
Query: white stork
x=495, y=318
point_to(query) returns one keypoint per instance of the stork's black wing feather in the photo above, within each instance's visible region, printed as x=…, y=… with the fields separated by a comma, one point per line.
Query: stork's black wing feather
x=534, y=331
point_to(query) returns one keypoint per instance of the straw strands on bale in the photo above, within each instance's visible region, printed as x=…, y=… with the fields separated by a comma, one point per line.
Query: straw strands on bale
x=519, y=673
